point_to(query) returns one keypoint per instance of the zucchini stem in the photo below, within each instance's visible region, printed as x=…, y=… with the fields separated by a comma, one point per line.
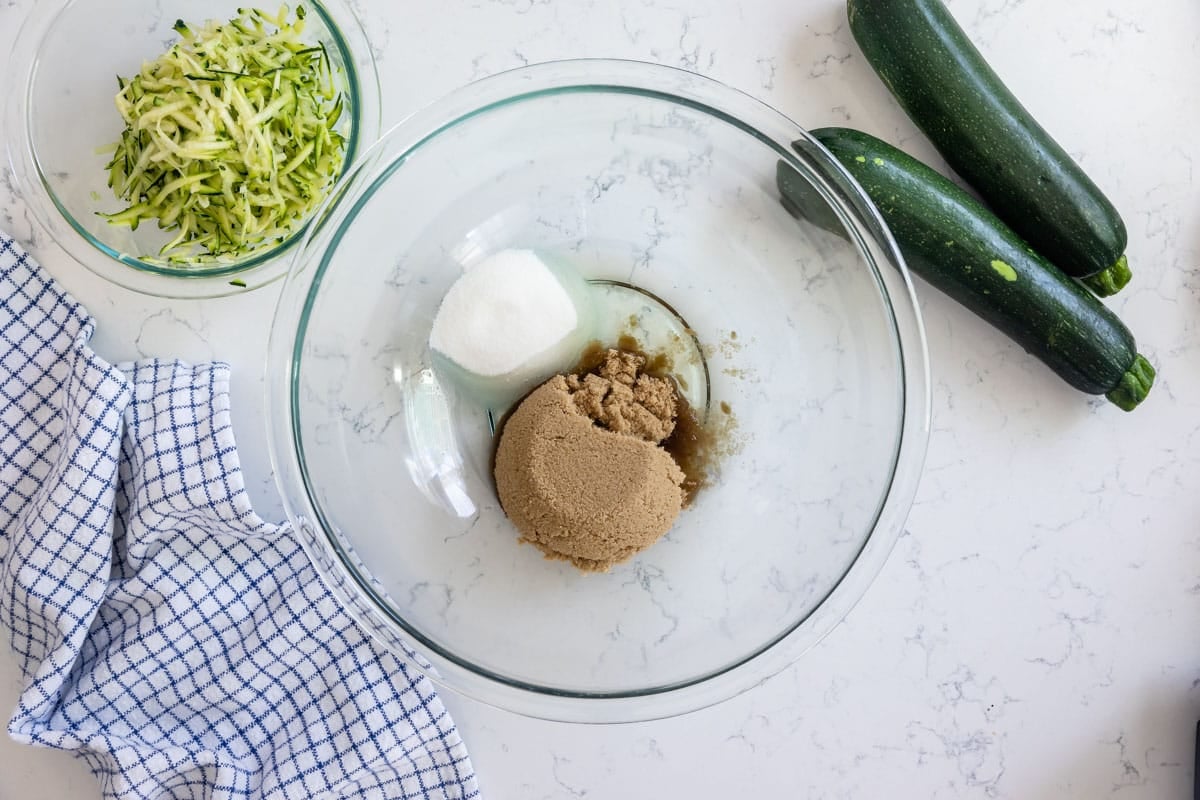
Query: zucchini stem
x=1134, y=386
x=1108, y=282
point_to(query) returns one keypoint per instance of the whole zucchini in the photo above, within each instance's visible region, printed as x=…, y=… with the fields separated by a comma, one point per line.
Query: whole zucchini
x=952, y=241
x=986, y=135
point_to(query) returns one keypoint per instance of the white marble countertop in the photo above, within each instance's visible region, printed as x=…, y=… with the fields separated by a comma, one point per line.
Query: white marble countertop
x=1036, y=632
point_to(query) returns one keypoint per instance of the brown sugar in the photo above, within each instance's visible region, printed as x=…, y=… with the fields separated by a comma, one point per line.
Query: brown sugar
x=623, y=399
x=580, y=470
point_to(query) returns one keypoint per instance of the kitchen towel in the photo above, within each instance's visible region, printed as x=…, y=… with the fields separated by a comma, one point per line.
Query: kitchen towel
x=181, y=645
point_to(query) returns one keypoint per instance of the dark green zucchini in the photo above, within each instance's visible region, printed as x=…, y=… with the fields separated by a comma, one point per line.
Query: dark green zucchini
x=986, y=135
x=952, y=241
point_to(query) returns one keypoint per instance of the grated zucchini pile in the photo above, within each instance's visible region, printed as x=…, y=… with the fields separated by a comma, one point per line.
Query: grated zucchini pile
x=229, y=137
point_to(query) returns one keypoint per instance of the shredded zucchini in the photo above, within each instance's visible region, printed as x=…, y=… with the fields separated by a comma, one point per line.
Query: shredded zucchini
x=231, y=137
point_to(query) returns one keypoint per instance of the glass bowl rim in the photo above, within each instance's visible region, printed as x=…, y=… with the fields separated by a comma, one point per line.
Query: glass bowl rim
x=294, y=309
x=257, y=268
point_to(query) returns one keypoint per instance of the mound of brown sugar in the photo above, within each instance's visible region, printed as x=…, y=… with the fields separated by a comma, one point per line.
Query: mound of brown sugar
x=621, y=398
x=579, y=469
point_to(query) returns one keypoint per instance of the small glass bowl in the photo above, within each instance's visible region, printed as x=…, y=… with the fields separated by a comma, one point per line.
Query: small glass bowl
x=59, y=116
x=657, y=185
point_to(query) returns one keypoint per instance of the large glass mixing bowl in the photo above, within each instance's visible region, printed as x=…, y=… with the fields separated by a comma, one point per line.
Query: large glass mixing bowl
x=659, y=185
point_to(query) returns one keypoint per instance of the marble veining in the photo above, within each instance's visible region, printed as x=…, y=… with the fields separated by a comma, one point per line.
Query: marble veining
x=1033, y=635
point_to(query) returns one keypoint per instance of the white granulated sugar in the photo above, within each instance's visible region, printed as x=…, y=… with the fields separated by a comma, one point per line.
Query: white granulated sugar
x=502, y=312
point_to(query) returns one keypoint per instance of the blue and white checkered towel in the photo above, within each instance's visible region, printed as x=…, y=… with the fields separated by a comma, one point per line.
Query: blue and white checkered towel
x=180, y=644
